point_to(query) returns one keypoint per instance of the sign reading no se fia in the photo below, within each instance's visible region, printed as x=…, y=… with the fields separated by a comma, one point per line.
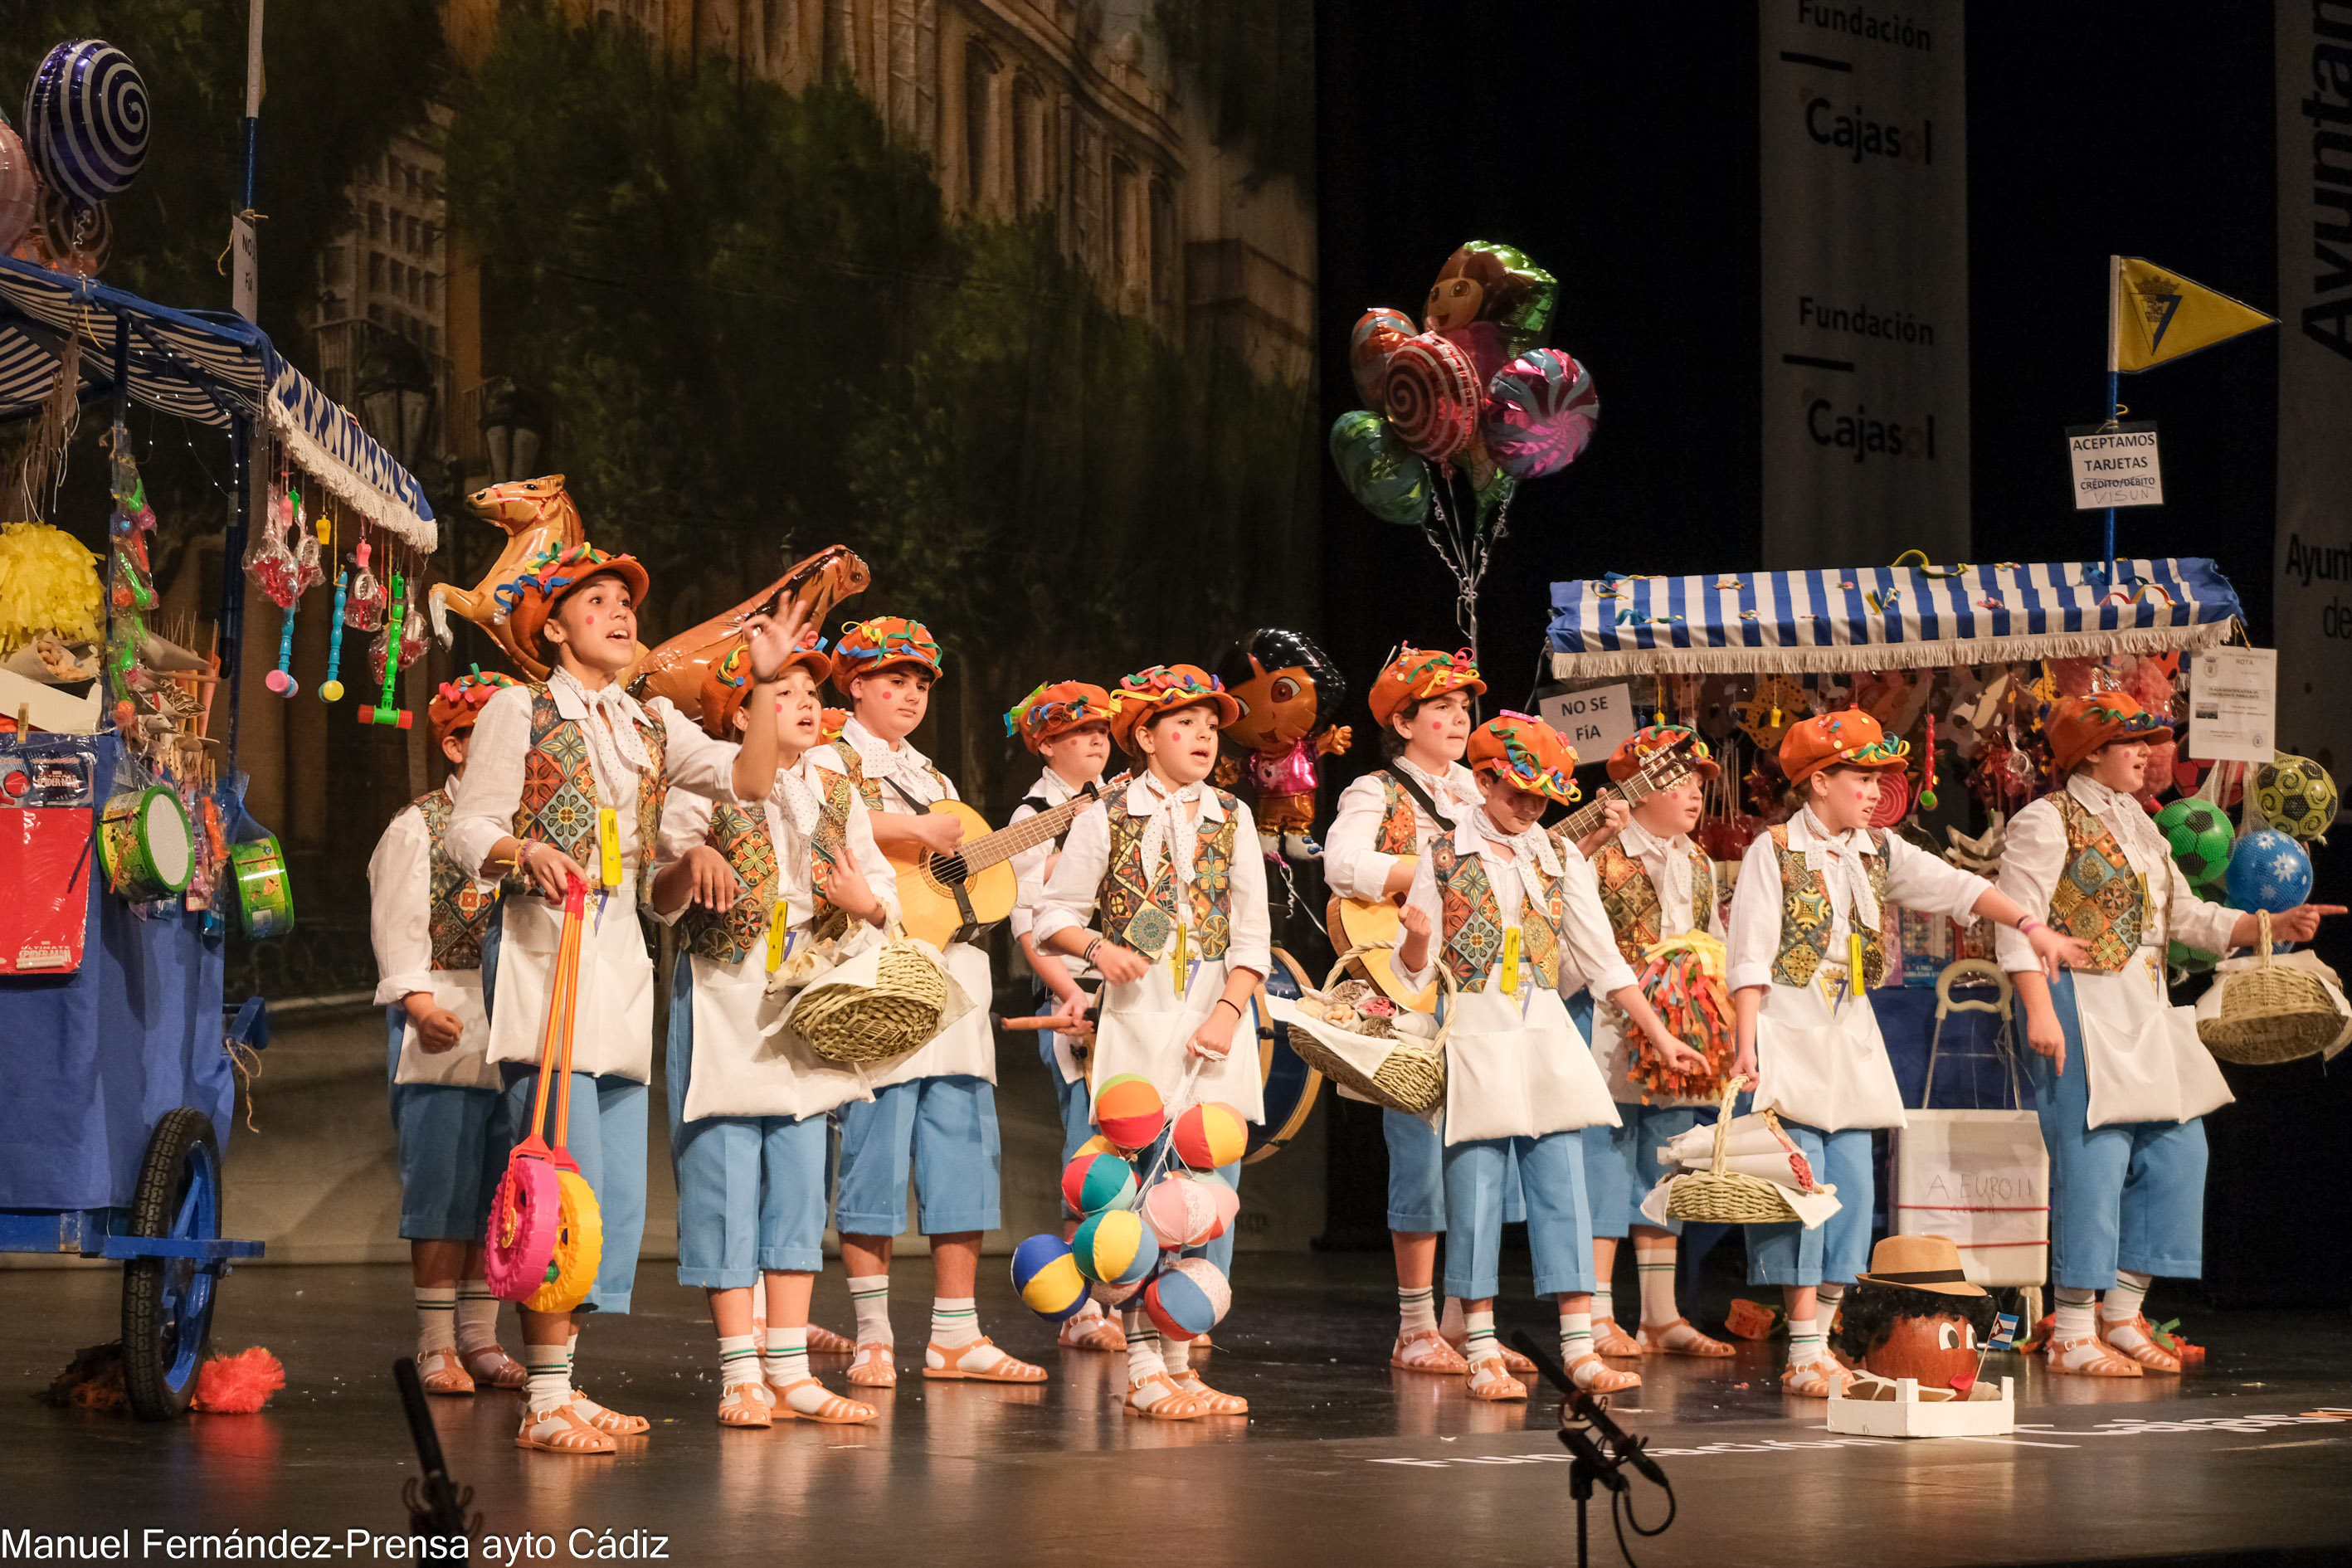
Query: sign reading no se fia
x=1595, y=723
x=2115, y=464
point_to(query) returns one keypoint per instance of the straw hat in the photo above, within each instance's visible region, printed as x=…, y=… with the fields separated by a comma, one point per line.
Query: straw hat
x=1929, y=1263
x=727, y=681
x=458, y=703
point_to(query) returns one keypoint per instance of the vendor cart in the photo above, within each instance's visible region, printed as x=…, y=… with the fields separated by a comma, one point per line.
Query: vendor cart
x=117, y=1053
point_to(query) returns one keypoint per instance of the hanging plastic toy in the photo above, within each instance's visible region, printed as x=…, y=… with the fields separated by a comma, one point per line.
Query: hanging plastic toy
x=366, y=611
x=270, y=563
x=333, y=689
x=306, y=548
x=383, y=713
x=281, y=679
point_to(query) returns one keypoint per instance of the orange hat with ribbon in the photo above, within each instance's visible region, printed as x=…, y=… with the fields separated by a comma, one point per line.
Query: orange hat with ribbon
x=2077, y=726
x=549, y=577
x=883, y=642
x=727, y=680
x=1055, y=708
x=1636, y=749
x=1163, y=688
x=1527, y=751
x=1848, y=738
x=458, y=703
x=1416, y=674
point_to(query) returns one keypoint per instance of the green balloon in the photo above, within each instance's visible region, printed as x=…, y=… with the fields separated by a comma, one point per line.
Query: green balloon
x=2180, y=956
x=1380, y=470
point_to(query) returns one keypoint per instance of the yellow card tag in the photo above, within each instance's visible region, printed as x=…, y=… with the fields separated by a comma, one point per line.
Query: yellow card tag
x=1855, y=980
x=608, y=843
x=777, y=937
x=1180, y=958
x=1511, y=961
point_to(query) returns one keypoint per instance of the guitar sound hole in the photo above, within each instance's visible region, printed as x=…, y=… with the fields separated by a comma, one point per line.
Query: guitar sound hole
x=947, y=870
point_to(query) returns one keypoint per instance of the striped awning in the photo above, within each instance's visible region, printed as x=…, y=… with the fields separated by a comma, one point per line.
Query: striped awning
x=1885, y=617
x=204, y=365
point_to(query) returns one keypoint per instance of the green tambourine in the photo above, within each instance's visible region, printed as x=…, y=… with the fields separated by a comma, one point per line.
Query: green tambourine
x=143, y=838
x=262, y=887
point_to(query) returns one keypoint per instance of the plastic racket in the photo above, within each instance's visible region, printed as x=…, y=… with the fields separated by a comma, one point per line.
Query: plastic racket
x=526, y=1214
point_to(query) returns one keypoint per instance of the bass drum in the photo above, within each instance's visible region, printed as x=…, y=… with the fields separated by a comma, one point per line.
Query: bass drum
x=1291, y=1087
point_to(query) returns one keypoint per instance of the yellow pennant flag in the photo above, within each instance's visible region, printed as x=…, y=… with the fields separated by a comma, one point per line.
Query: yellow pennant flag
x=2156, y=315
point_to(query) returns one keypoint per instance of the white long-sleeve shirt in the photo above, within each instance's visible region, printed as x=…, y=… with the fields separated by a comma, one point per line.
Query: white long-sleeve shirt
x=685, y=823
x=1352, y=867
x=2034, y=857
x=1031, y=866
x=1914, y=879
x=400, y=906
x=1070, y=893
x=1667, y=863
x=1588, y=959
x=489, y=795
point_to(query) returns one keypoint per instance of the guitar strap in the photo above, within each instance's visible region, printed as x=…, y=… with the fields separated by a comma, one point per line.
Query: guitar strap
x=1037, y=803
x=1411, y=787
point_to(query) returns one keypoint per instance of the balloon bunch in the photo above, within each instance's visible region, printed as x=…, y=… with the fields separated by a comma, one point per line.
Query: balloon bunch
x=1474, y=393
x=84, y=140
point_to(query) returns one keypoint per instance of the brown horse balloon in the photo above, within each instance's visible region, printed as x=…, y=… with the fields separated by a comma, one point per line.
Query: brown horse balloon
x=537, y=515
x=676, y=668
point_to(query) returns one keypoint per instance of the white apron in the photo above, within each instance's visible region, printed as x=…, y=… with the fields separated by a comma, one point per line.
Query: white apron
x=1519, y=1067
x=467, y=1064
x=1822, y=1066
x=615, y=1013
x=1614, y=1053
x=966, y=1047
x=2144, y=1059
x=1144, y=1027
x=744, y=1063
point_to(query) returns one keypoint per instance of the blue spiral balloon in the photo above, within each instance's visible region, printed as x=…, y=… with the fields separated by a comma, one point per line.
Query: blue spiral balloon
x=86, y=121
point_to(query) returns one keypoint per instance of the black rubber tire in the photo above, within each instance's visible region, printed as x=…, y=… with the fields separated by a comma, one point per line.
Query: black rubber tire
x=163, y=1185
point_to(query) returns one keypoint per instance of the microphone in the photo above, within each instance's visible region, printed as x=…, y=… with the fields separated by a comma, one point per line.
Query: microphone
x=1623, y=1445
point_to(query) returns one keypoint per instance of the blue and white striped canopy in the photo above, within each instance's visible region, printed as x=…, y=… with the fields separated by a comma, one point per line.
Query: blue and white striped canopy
x=203, y=365
x=1885, y=617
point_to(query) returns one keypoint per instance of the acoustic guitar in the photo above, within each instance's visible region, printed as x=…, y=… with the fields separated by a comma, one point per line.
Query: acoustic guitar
x=957, y=895
x=1374, y=923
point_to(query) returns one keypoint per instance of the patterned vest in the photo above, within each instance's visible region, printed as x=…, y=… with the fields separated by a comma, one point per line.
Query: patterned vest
x=559, y=788
x=1474, y=920
x=1632, y=900
x=1399, y=831
x=2100, y=900
x=733, y=934
x=1144, y=916
x=462, y=907
x=1805, y=916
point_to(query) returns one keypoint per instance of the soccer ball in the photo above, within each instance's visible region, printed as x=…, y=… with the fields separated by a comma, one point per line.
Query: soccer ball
x=2294, y=796
x=2182, y=956
x=2199, y=836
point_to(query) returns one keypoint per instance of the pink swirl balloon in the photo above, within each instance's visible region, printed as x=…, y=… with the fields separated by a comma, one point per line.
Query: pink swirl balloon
x=1432, y=398
x=1894, y=799
x=1377, y=333
x=1540, y=410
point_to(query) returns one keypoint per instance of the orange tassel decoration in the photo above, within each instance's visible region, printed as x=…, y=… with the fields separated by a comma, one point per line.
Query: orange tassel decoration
x=238, y=1385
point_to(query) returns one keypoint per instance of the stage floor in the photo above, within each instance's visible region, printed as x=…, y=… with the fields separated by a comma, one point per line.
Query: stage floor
x=1340, y=1461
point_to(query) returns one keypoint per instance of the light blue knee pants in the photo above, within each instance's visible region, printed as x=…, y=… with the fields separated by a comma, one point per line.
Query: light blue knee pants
x=1837, y=1249
x=752, y=1190
x=1620, y=1164
x=945, y=1128
x=2130, y=1195
x=1560, y=1226
x=453, y=1149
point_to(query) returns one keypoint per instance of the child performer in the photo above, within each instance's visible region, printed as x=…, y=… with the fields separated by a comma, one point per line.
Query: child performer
x=2122, y=1091
x=428, y=920
x=1068, y=724
x=565, y=781
x=1184, y=944
x=1805, y=951
x=1385, y=820
x=1497, y=900
x=935, y=1108
x=1654, y=883
x=748, y=1100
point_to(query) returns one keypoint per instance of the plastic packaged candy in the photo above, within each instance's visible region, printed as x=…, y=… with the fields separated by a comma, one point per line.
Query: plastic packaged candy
x=363, y=610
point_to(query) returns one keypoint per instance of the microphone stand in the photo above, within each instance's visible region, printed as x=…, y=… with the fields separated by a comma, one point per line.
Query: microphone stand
x=1600, y=1448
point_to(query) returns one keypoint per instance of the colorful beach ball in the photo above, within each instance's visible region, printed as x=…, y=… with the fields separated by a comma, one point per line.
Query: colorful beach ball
x=1221, y=1193
x=1111, y=1298
x=1211, y=1136
x=1129, y=1110
x=1114, y=1248
x=1188, y=1298
x=1047, y=1276
x=1180, y=1212
x=2197, y=833
x=2268, y=870
x=1098, y=1144
x=1093, y=1183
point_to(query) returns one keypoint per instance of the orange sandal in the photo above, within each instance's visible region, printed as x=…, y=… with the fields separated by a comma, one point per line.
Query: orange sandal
x=1513, y=1362
x=1003, y=1369
x=491, y=1367
x=1174, y=1404
x=874, y=1367
x=1092, y=1334
x=836, y=1411
x=1653, y=1337
x=824, y=1341
x=1819, y=1379
x=1490, y=1379
x=442, y=1372
x=743, y=1405
x=1600, y=1379
x=611, y=1422
x=1211, y=1402
x=1608, y=1339
x=561, y=1430
x=2147, y=1352
x=1426, y=1350
x=2108, y=1363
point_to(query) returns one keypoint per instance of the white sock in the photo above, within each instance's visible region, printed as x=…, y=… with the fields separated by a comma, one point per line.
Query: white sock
x=1479, y=1330
x=739, y=1360
x=870, y=1295
x=1416, y=1309
x=1177, y=1355
x=1604, y=1303
x=1090, y=1310
x=2127, y=1299
x=1654, y=1266
x=955, y=1320
x=1143, y=1349
x=477, y=1317
x=549, y=1387
x=1575, y=1337
x=1830, y=1299
x=2073, y=1314
x=786, y=1360
x=436, y=1311
x=1805, y=1341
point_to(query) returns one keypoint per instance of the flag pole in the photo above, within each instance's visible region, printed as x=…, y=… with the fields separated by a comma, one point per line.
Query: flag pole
x=2115, y=289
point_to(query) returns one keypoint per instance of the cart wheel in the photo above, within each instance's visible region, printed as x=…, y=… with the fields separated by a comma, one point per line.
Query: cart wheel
x=167, y=1302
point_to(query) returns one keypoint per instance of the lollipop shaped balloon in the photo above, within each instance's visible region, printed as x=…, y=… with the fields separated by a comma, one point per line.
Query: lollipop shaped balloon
x=1377, y=333
x=86, y=121
x=1540, y=414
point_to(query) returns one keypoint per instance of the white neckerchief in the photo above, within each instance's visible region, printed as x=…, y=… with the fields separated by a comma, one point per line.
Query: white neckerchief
x=1442, y=789
x=1168, y=838
x=900, y=764
x=799, y=794
x=617, y=754
x=1847, y=876
x=1534, y=844
x=1053, y=789
x=1666, y=861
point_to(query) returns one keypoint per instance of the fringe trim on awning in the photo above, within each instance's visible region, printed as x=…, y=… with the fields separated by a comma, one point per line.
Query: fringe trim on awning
x=1840, y=657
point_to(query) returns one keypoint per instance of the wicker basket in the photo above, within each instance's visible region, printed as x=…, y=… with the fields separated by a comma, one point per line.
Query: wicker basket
x=1728, y=1197
x=852, y=1024
x=2271, y=1012
x=1410, y=1077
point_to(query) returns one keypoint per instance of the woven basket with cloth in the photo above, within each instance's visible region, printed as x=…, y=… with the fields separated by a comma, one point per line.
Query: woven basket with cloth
x=1350, y=1032
x=1722, y=1196
x=2273, y=1011
x=875, y=1006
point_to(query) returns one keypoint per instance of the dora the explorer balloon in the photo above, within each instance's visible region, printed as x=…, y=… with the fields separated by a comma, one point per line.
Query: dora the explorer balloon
x=1286, y=687
x=1492, y=303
